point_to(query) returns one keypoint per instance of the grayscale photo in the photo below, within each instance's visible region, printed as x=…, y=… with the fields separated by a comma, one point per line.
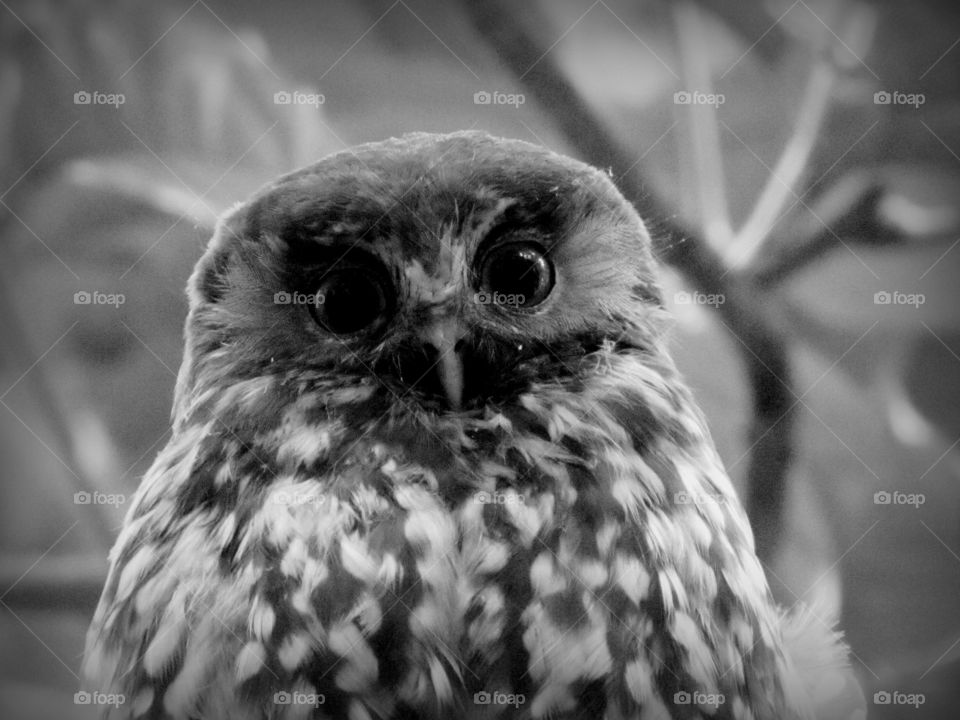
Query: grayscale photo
x=479, y=360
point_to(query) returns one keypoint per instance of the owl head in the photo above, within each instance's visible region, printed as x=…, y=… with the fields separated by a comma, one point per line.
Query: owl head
x=454, y=271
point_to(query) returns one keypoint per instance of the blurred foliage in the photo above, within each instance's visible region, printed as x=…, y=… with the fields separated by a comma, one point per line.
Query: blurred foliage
x=121, y=200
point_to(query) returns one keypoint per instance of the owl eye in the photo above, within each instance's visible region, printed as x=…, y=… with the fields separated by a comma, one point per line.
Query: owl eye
x=517, y=274
x=350, y=300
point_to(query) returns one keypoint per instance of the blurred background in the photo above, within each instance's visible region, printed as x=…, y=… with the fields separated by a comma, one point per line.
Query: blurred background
x=798, y=163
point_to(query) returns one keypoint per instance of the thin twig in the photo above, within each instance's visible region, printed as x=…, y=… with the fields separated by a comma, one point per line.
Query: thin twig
x=704, y=128
x=789, y=171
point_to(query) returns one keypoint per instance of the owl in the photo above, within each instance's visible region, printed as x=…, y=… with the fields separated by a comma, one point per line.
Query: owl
x=431, y=459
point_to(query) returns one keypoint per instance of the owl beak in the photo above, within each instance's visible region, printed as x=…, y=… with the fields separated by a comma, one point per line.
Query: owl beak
x=445, y=335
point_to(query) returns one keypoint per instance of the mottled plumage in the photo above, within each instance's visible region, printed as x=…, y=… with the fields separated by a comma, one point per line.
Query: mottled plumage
x=392, y=493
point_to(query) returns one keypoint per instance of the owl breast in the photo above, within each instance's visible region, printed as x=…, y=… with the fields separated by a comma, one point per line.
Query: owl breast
x=383, y=561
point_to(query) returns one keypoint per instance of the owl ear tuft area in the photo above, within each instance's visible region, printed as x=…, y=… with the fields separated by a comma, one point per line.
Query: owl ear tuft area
x=210, y=281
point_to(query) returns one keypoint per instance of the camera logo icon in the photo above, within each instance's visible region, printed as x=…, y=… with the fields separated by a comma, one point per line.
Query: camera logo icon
x=898, y=297
x=700, y=699
x=85, y=297
x=898, y=97
x=83, y=697
x=696, y=97
x=498, y=97
x=298, y=697
x=98, y=97
x=298, y=97
x=485, y=697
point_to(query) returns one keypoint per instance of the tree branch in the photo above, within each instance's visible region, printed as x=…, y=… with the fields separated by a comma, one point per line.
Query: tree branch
x=54, y=583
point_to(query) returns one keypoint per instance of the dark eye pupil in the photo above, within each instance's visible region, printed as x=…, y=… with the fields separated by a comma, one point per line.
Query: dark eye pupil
x=518, y=274
x=348, y=301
